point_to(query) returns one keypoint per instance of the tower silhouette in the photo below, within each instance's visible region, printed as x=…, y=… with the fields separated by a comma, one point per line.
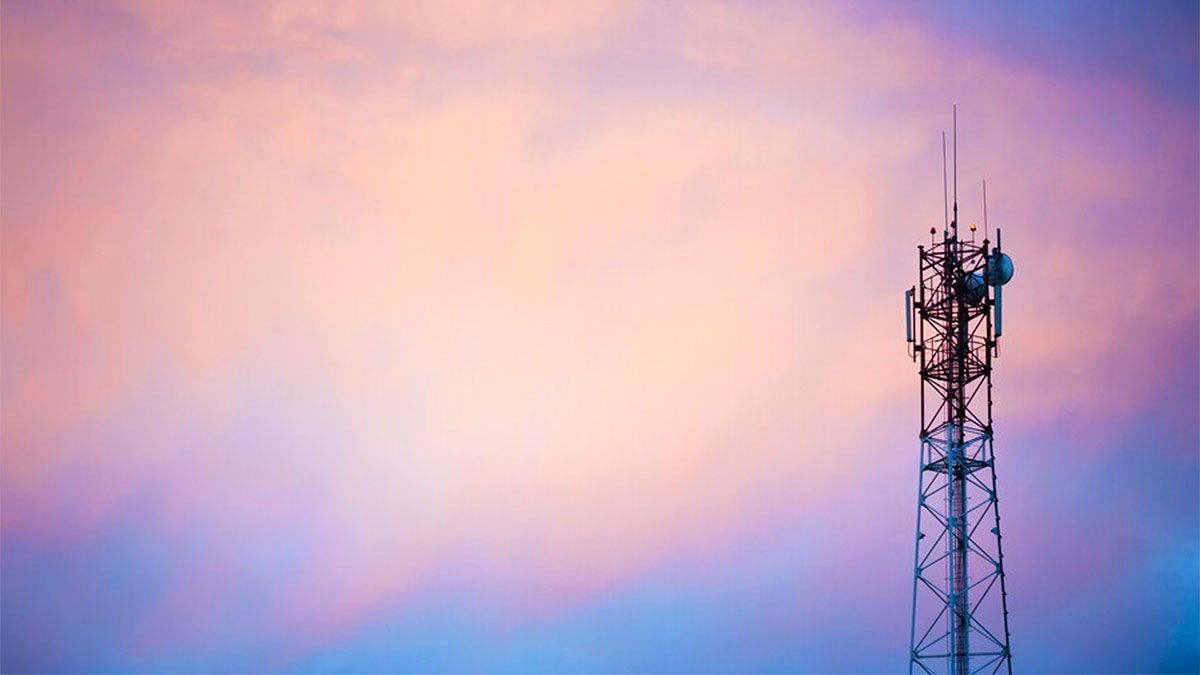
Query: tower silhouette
x=953, y=325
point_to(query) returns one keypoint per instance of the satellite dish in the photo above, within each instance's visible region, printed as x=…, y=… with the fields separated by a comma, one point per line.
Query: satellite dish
x=999, y=269
x=976, y=288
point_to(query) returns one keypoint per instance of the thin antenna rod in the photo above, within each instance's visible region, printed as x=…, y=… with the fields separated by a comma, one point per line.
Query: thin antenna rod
x=985, y=227
x=945, y=190
x=955, y=221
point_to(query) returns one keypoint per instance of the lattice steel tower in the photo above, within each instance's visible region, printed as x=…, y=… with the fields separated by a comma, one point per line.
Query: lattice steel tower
x=960, y=604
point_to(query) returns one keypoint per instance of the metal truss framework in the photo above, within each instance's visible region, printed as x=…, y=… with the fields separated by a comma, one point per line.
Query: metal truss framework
x=960, y=604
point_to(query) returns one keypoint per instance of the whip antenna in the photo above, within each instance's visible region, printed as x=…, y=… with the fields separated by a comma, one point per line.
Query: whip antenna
x=985, y=227
x=945, y=190
x=955, y=221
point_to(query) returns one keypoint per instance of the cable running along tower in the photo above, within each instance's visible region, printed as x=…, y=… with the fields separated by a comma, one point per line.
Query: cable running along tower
x=953, y=325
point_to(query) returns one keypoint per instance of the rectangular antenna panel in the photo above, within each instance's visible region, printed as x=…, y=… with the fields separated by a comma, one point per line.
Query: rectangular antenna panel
x=999, y=312
x=908, y=315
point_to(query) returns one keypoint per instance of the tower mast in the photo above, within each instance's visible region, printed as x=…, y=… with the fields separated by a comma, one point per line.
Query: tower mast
x=960, y=606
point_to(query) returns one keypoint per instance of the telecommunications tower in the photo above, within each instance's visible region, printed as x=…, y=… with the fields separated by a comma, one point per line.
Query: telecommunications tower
x=953, y=325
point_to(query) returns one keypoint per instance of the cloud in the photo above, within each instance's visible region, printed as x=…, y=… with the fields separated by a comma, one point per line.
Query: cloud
x=355, y=302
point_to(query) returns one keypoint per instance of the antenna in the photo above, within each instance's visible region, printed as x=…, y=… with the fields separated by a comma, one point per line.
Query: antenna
x=945, y=190
x=985, y=227
x=908, y=314
x=955, y=221
x=999, y=264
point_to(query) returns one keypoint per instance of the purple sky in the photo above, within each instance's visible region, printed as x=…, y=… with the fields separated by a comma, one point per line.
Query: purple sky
x=567, y=337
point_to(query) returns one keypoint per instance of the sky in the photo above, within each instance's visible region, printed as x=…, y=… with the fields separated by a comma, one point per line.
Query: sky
x=568, y=337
